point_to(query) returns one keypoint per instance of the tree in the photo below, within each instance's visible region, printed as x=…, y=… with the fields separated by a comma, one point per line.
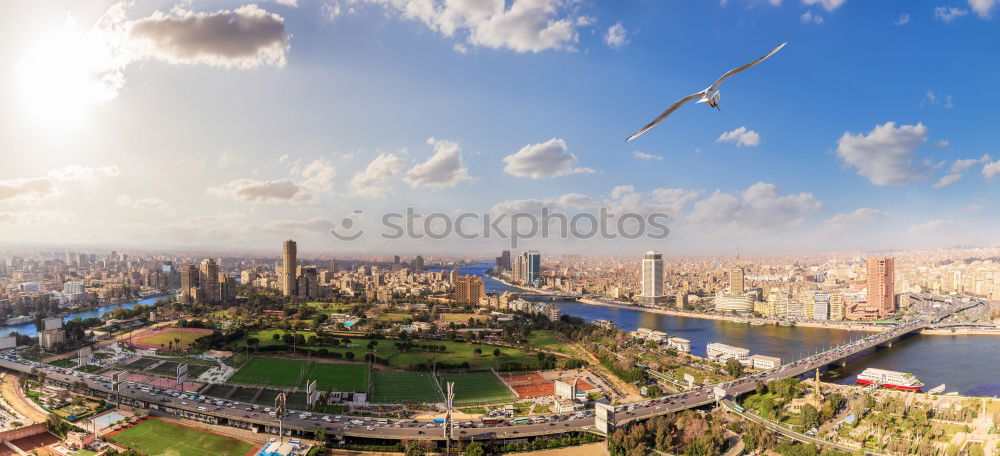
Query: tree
x=496, y=352
x=734, y=368
x=320, y=435
x=478, y=351
x=809, y=417
x=412, y=448
x=475, y=449
x=349, y=355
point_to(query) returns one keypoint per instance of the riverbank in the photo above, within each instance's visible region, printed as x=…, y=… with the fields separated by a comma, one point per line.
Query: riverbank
x=730, y=318
x=79, y=310
x=962, y=332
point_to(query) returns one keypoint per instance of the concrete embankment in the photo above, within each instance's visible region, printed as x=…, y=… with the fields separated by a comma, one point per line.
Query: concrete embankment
x=679, y=313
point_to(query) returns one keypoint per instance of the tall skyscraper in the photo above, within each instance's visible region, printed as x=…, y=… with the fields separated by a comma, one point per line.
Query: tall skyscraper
x=189, y=283
x=881, y=285
x=505, y=260
x=652, y=277
x=533, y=267
x=208, y=281
x=288, y=268
x=737, y=283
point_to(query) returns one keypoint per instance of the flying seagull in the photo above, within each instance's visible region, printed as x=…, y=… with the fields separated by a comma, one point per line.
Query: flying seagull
x=709, y=96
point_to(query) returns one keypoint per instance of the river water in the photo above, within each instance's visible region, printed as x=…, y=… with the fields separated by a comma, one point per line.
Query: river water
x=28, y=329
x=965, y=364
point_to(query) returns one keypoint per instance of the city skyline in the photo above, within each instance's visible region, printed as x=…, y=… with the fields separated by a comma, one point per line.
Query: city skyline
x=213, y=148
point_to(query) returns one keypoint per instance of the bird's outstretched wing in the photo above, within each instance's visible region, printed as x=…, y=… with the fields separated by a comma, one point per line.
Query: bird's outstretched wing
x=739, y=69
x=666, y=113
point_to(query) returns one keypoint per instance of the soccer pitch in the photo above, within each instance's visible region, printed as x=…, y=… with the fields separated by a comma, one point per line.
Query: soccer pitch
x=270, y=371
x=404, y=387
x=156, y=436
x=340, y=377
x=475, y=388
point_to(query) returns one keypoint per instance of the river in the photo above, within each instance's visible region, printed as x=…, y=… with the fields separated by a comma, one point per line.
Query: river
x=28, y=329
x=967, y=364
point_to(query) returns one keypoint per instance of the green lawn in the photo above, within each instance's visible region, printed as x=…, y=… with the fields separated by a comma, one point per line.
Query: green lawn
x=404, y=387
x=549, y=340
x=270, y=371
x=65, y=362
x=164, y=338
x=160, y=437
x=456, y=351
x=395, y=317
x=340, y=377
x=475, y=388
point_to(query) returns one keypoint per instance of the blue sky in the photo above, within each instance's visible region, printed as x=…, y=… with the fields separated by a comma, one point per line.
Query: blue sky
x=200, y=135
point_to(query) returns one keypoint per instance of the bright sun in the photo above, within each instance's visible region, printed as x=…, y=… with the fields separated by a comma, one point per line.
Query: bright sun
x=63, y=76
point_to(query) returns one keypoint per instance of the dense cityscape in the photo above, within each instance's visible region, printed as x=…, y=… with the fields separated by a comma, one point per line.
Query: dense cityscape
x=407, y=353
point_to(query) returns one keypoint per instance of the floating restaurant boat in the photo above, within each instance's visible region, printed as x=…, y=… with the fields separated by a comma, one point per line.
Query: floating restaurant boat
x=903, y=381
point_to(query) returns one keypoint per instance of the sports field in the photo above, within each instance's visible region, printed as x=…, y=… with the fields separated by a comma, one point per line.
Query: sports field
x=270, y=371
x=340, y=377
x=157, y=436
x=404, y=387
x=478, y=388
x=179, y=337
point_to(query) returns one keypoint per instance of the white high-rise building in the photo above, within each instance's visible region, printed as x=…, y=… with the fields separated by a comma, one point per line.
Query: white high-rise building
x=652, y=278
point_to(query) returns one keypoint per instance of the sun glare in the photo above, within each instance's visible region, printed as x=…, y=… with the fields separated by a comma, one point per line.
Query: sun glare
x=63, y=76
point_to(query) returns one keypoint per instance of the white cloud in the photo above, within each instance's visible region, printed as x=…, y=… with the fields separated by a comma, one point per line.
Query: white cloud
x=27, y=189
x=904, y=18
x=962, y=165
x=370, y=182
x=76, y=173
x=942, y=143
x=288, y=3
x=35, y=188
x=828, y=5
x=548, y=159
x=983, y=8
x=145, y=204
x=932, y=99
x=443, y=169
x=316, y=225
x=990, y=170
x=246, y=37
x=933, y=227
x=616, y=36
x=672, y=201
x=810, y=18
x=759, y=207
x=37, y=218
x=281, y=191
x=318, y=175
x=885, y=156
x=741, y=137
x=524, y=26
x=860, y=216
x=645, y=156
x=949, y=13
x=948, y=179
